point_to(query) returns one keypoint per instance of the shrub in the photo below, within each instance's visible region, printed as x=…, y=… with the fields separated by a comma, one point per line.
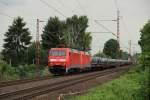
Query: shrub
x=7, y=72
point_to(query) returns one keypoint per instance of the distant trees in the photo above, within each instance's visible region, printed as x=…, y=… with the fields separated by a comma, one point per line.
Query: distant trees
x=17, y=38
x=111, y=48
x=124, y=55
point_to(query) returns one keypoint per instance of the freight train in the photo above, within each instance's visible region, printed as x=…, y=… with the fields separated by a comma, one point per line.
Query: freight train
x=65, y=60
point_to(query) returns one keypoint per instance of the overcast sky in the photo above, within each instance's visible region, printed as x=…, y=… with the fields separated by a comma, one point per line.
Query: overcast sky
x=134, y=14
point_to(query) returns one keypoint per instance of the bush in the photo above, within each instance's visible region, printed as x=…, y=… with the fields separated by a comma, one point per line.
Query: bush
x=20, y=72
x=7, y=72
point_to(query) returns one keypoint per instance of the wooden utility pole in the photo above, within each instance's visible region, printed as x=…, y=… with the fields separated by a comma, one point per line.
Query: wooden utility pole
x=37, y=49
x=130, y=47
x=118, y=31
x=118, y=27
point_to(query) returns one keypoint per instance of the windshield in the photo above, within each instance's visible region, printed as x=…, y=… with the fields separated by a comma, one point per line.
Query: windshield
x=57, y=53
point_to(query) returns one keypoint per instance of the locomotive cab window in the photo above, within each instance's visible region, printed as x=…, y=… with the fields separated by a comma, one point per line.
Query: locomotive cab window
x=57, y=53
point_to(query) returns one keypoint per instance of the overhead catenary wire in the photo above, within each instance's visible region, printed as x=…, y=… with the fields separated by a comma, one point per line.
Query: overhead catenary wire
x=125, y=27
x=81, y=7
x=4, y=14
x=48, y=5
x=9, y=16
x=116, y=4
x=105, y=28
x=67, y=7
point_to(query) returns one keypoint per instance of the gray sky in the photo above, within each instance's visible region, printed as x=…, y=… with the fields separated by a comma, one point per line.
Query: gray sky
x=134, y=14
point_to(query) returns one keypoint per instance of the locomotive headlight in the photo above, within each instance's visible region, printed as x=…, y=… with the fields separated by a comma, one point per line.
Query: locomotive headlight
x=62, y=60
x=52, y=60
x=57, y=60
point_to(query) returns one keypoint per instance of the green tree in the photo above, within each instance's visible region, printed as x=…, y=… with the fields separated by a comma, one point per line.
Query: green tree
x=124, y=55
x=17, y=38
x=3, y=69
x=30, y=54
x=111, y=48
x=70, y=33
x=85, y=41
x=144, y=43
x=53, y=33
x=145, y=59
x=145, y=47
x=78, y=38
x=145, y=38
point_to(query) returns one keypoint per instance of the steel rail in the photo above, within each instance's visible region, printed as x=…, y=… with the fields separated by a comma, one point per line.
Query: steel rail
x=22, y=81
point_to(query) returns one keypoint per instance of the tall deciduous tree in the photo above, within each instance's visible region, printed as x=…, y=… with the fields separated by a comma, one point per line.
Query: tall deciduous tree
x=76, y=27
x=71, y=33
x=17, y=38
x=145, y=38
x=111, y=48
x=145, y=45
x=145, y=58
x=85, y=43
x=53, y=33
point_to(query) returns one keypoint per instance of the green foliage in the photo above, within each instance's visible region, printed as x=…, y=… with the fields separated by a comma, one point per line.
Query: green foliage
x=26, y=71
x=7, y=72
x=144, y=43
x=78, y=38
x=53, y=33
x=69, y=33
x=145, y=56
x=30, y=54
x=145, y=60
x=17, y=38
x=136, y=57
x=86, y=41
x=21, y=72
x=3, y=68
x=124, y=55
x=128, y=87
x=111, y=48
x=145, y=38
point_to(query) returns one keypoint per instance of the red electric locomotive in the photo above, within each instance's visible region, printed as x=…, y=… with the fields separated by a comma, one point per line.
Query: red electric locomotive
x=63, y=60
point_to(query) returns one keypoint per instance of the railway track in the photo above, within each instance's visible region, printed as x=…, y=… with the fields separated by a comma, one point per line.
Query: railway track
x=36, y=91
x=17, y=82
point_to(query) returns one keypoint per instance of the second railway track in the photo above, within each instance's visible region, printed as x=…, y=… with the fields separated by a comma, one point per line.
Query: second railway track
x=22, y=81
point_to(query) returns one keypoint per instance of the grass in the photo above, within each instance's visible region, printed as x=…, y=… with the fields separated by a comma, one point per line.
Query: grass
x=128, y=87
